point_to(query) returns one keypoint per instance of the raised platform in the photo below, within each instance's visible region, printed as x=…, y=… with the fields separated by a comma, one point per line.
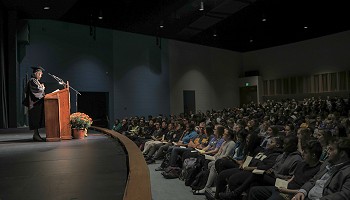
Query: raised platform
x=90, y=168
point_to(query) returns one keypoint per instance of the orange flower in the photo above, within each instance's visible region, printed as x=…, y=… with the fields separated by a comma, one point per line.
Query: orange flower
x=80, y=120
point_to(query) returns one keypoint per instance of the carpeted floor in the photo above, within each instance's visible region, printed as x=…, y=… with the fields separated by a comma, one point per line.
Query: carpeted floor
x=169, y=189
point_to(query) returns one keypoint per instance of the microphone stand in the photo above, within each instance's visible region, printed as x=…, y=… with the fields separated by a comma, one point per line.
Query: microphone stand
x=61, y=82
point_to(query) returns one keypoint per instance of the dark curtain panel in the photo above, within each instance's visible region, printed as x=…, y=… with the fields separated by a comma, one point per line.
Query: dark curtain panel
x=3, y=95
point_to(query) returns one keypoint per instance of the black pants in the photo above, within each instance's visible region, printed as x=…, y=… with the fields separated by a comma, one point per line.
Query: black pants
x=264, y=193
x=234, y=178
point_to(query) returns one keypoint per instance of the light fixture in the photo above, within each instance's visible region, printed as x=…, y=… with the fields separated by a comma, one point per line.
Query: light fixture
x=214, y=34
x=201, y=8
x=47, y=8
x=161, y=24
x=305, y=27
x=100, y=16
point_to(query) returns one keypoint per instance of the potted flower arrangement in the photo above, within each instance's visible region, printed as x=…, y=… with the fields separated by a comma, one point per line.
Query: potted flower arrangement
x=80, y=122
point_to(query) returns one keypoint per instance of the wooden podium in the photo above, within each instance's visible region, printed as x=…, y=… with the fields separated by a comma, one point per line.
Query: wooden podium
x=57, y=112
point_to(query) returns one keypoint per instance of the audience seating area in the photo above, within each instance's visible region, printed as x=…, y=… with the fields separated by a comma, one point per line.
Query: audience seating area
x=276, y=149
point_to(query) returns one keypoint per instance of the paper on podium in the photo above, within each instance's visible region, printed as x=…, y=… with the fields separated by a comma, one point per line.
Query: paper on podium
x=280, y=183
x=247, y=161
x=258, y=171
x=208, y=157
x=56, y=91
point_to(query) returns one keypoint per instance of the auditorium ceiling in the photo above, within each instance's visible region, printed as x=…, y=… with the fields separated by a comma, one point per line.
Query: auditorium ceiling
x=239, y=25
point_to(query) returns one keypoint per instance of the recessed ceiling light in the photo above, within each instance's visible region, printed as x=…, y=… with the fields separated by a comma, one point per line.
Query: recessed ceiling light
x=263, y=19
x=100, y=17
x=201, y=7
x=305, y=27
x=46, y=8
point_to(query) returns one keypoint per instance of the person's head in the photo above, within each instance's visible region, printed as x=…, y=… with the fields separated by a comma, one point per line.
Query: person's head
x=219, y=131
x=289, y=129
x=323, y=137
x=124, y=121
x=228, y=134
x=201, y=127
x=339, y=150
x=179, y=126
x=290, y=144
x=272, y=131
x=164, y=125
x=190, y=127
x=209, y=130
x=171, y=126
x=275, y=142
x=116, y=122
x=157, y=125
x=38, y=72
x=312, y=151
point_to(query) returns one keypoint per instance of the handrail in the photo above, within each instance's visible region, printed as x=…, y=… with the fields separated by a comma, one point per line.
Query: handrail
x=138, y=184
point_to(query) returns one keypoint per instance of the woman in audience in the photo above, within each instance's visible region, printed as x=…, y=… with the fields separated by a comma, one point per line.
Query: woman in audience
x=272, y=131
x=225, y=149
x=323, y=138
x=234, y=160
x=303, y=172
x=304, y=135
x=289, y=129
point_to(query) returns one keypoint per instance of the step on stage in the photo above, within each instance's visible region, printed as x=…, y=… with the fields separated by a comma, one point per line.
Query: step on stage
x=90, y=168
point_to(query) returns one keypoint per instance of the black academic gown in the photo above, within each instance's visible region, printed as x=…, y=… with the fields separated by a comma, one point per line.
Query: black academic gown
x=35, y=102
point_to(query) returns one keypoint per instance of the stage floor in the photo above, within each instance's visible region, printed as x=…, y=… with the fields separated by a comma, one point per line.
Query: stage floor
x=90, y=168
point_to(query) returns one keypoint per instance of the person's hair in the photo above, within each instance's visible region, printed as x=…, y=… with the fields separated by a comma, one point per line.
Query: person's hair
x=327, y=135
x=231, y=134
x=220, y=129
x=191, y=126
x=209, y=130
x=293, y=141
x=274, y=130
x=342, y=144
x=313, y=147
x=253, y=143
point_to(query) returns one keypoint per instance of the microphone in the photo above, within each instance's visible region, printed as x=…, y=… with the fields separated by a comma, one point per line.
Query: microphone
x=59, y=80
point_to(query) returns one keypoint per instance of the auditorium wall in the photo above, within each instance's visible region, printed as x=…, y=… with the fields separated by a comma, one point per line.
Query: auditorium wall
x=212, y=73
x=141, y=75
x=321, y=55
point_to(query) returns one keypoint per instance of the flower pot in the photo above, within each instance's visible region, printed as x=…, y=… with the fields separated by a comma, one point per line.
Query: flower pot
x=79, y=133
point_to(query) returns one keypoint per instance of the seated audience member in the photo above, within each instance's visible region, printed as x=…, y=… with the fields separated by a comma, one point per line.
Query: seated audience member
x=304, y=171
x=117, y=125
x=180, y=146
x=215, y=143
x=272, y=131
x=283, y=168
x=304, y=135
x=323, y=137
x=333, y=180
x=289, y=130
x=124, y=127
x=262, y=161
x=156, y=145
x=225, y=150
x=164, y=148
x=156, y=138
x=251, y=147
